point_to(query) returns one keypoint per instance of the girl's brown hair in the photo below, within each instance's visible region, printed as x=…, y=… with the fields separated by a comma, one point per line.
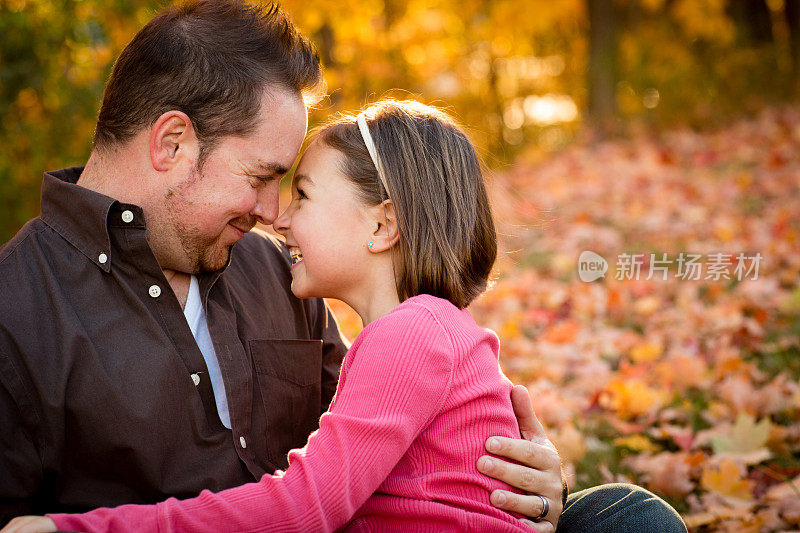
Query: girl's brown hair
x=447, y=241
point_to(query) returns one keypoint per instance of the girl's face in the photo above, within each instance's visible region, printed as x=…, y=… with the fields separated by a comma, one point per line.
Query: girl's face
x=326, y=228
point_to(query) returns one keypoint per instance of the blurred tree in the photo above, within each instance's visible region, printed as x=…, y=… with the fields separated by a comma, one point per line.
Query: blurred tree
x=520, y=75
x=753, y=17
x=792, y=14
x=54, y=59
x=602, y=63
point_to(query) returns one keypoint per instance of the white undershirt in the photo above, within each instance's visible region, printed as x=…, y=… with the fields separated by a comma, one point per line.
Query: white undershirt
x=196, y=317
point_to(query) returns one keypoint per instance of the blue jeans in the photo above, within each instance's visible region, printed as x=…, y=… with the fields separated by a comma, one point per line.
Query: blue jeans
x=618, y=508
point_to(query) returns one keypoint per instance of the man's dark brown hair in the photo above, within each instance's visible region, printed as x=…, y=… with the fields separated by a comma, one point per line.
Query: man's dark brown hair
x=211, y=59
x=448, y=243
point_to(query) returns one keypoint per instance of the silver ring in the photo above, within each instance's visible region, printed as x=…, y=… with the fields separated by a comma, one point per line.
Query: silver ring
x=545, y=508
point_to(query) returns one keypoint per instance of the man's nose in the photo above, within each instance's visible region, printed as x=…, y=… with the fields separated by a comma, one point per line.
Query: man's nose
x=266, y=207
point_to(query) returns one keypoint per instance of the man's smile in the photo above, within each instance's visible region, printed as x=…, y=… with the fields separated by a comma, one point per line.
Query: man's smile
x=240, y=229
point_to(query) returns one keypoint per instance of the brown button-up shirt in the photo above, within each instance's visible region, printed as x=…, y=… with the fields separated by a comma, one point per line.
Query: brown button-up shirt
x=98, y=402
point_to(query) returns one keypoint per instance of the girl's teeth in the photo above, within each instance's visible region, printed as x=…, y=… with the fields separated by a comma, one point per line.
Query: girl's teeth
x=295, y=255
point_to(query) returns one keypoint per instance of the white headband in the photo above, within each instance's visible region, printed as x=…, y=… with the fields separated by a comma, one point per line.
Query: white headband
x=373, y=153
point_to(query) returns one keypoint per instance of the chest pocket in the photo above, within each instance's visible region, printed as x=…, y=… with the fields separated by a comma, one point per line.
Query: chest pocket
x=288, y=373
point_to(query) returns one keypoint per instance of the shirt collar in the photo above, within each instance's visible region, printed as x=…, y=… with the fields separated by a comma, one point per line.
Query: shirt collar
x=82, y=216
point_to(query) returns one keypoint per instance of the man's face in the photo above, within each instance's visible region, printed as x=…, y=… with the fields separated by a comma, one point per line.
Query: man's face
x=202, y=216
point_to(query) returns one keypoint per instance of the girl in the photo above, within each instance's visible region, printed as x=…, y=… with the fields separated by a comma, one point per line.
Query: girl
x=389, y=213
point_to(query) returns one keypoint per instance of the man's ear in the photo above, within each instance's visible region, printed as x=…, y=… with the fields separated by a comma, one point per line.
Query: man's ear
x=386, y=233
x=172, y=141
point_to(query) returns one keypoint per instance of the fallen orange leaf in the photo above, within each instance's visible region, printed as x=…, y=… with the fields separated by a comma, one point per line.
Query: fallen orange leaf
x=726, y=479
x=561, y=333
x=647, y=351
x=629, y=398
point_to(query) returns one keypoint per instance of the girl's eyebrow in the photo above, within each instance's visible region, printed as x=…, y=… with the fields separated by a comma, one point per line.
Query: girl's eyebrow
x=302, y=177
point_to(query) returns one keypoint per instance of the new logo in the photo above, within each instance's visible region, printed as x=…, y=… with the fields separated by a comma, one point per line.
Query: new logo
x=591, y=266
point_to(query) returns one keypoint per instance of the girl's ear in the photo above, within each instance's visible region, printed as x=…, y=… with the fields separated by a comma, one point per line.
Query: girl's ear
x=386, y=233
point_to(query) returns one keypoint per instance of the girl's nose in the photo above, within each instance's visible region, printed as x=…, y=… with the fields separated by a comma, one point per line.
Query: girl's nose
x=281, y=223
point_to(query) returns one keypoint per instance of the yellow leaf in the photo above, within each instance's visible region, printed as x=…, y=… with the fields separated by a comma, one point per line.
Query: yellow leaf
x=630, y=398
x=647, y=305
x=648, y=351
x=637, y=443
x=727, y=479
x=570, y=444
x=724, y=232
x=510, y=328
x=745, y=436
x=561, y=333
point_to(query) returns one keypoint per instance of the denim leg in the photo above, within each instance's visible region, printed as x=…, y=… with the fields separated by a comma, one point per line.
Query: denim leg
x=618, y=508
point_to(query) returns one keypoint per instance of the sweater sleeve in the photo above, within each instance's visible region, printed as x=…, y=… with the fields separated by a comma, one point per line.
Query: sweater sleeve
x=399, y=378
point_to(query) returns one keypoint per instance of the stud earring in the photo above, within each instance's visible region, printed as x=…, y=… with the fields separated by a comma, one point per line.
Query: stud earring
x=371, y=244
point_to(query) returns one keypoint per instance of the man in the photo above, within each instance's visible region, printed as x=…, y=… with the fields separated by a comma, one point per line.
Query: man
x=149, y=344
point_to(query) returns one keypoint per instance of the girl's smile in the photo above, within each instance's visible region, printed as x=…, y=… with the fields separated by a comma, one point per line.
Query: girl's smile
x=296, y=254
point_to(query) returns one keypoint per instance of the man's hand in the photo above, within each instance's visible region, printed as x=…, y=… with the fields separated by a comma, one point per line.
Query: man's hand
x=30, y=524
x=541, y=475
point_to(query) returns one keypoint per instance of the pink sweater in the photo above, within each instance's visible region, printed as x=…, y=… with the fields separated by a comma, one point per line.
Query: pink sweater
x=419, y=393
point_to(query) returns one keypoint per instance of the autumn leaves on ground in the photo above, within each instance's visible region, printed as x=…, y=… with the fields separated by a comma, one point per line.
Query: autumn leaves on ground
x=687, y=387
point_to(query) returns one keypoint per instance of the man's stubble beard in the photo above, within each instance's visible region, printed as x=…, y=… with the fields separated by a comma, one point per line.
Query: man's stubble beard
x=204, y=253
x=201, y=253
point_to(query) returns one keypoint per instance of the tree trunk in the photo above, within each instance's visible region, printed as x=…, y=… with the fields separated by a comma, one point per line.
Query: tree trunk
x=753, y=18
x=602, y=64
x=326, y=41
x=792, y=13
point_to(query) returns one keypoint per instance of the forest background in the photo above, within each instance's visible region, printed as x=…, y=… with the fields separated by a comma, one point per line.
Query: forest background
x=649, y=127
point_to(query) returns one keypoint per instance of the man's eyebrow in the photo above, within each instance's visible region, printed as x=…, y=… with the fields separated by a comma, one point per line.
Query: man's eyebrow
x=269, y=169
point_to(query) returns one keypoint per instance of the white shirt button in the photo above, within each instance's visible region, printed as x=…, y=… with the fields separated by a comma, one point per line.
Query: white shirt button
x=102, y=258
x=155, y=291
x=196, y=379
x=127, y=216
x=243, y=442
